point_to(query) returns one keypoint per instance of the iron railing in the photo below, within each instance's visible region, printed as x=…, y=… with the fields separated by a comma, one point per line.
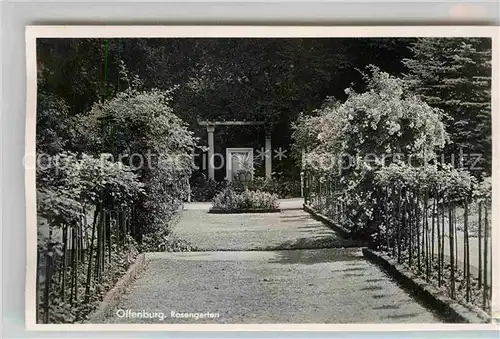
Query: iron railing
x=445, y=240
x=72, y=269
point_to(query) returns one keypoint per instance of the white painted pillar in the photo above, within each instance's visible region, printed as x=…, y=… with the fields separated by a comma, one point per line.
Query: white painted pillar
x=269, y=156
x=210, y=130
x=302, y=174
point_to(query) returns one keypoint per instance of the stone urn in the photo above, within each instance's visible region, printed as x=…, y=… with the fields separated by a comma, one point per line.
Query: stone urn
x=244, y=177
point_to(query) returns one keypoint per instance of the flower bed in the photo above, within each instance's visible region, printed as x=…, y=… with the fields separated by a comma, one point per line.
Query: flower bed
x=235, y=211
x=283, y=187
x=230, y=201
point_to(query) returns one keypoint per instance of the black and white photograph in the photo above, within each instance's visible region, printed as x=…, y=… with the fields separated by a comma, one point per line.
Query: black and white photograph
x=200, y=180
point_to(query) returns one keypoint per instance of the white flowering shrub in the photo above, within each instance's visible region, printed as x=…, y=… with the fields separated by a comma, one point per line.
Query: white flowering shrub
x=258, y=200
x=141, y=129
x=229, y=199
x=351, y=141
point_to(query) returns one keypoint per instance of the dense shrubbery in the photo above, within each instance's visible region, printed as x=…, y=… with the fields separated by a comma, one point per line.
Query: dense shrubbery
x=66, y=304
x=367, y=132
x=70, y=187
x=163, y=241
x=141, y=128
x=283, y=188
x=444, y=184
x=455, y=75
x=372, y=165
x=227, y=199
x=132, y=185
x=483, y=190
x=203, y=189
x=230, y=199
x=258, y=200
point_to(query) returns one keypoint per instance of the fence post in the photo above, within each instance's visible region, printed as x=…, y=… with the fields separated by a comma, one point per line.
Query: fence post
x=466, y=250
x=393, y=221
x=418, y=215
x=433, y=227
x=479, y=241
x=399, y=225
x=452, y=253
x=37, y=291
x=110, y=241
x=64, y=260
x=48, y=279
x=485, y=253
x=426, y=230
x=387, y=218
x=408, y=212
x=302, y=185
x=443, y=212
x=91, y=254
x=440, y=237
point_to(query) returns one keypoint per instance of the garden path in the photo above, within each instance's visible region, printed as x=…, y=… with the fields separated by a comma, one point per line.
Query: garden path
x=267, y=268
x=292, y=228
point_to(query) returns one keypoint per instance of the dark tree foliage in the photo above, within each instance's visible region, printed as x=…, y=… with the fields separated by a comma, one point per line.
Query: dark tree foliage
x=454, y=74
x=141, y=97
x=141, y=130
x=54, y=125
x=231, y=79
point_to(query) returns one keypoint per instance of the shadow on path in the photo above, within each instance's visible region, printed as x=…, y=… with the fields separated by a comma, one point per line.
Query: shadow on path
x=268, y=268
x=294, y=286
x=289, y=229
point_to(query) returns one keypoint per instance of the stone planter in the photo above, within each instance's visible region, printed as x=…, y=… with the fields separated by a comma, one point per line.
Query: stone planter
x=244, y=177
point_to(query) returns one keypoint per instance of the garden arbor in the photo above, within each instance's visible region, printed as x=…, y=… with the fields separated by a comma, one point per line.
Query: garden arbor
x=230, y=152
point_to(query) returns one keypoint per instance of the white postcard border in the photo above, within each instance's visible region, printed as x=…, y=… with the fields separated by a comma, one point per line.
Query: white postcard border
x=178, y=31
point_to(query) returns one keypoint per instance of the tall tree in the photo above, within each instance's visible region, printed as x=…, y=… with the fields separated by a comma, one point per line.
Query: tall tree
x=221, y=78
x=454, y=74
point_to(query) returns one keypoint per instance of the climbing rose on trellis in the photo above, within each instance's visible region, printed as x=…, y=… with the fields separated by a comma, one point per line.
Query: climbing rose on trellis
x=370, y=130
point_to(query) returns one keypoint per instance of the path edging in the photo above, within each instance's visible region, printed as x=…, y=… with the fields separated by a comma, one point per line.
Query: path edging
x=327, y=221
x=449, y=308
x=172, y=224
x=176, y=216
x=113, y=296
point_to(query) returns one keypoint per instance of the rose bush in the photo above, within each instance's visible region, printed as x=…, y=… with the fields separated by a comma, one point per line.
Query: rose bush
x=349, y=142
x=142, y=130
x=229, y=199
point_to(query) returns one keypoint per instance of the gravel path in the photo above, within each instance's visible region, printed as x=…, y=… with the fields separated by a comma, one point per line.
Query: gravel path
x=292, y=228
x=294, y=286
x=243, y=275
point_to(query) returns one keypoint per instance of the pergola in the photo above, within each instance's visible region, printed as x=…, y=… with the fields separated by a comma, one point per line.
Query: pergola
x=210, y=131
